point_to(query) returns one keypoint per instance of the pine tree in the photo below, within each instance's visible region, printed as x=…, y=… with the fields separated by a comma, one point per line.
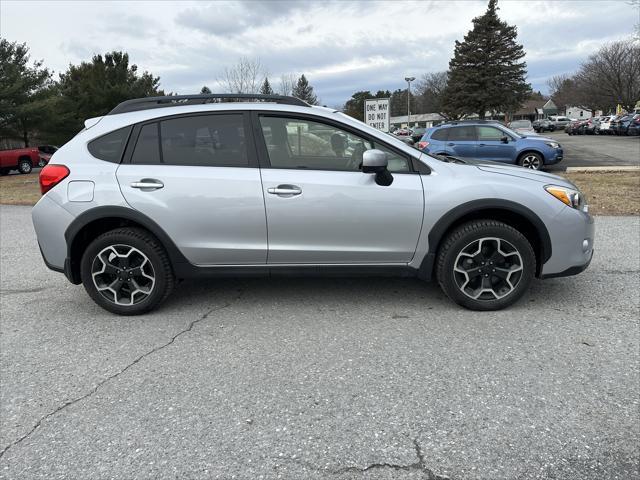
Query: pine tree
x=266, y=89
x=205, y=90
x=485, y=73
x=304, y=91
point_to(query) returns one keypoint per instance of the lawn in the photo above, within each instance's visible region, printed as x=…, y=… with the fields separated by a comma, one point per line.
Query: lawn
x=608, y=193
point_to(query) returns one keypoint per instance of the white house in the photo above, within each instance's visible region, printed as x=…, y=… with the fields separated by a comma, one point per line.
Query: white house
x=578, y=113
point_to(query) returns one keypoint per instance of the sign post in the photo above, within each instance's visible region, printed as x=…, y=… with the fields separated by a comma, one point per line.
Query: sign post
x=376, y=113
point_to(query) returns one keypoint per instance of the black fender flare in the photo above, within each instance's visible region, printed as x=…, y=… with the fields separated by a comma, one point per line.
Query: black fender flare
x=117, y=212
x=450, y=218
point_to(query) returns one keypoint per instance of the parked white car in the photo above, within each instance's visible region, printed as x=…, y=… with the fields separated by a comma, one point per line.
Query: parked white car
x=605, y=125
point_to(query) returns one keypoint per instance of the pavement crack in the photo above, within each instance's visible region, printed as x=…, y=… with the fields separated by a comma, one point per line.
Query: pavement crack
x=418, y=465
x=68, y=403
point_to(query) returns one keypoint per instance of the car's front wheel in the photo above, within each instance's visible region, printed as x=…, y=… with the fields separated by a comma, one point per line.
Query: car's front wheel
x=127, y=271
x=485, y=265
x=531, y=160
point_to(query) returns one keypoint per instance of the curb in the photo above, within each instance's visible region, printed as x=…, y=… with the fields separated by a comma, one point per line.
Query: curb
x=627, y=168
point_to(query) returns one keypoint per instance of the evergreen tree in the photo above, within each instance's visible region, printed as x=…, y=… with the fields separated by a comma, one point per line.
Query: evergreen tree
x=205, y=90
x=355, y=105
x=91, y=89
x=266, y=89
x=304, y=91
x=486, y=72
x=24, y=88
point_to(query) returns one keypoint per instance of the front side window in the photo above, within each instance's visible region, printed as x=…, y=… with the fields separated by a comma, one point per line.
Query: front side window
x=305, y=144
x=490, y=134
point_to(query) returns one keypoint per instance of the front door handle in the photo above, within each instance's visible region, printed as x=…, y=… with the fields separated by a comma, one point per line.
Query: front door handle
x=285, y=190
x=147, y=184
x=450, y=144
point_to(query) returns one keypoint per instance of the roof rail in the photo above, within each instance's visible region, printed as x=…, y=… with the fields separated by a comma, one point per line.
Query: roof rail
x=456, y=122
x=178, y=100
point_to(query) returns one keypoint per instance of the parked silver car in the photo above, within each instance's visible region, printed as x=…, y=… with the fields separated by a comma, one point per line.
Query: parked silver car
x=167, y=188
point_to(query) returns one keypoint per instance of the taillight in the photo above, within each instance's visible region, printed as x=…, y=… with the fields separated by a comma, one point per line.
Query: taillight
x=51, y=175
x=422, y=145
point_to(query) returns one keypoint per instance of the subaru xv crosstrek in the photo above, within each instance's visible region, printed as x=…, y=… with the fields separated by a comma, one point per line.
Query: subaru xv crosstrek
x=168, y=188
x=491, y=141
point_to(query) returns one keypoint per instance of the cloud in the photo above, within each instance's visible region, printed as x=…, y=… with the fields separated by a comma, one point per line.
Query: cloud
x=342, y=46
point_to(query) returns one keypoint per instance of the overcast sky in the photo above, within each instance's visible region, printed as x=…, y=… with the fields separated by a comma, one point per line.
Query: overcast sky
x=341, y=46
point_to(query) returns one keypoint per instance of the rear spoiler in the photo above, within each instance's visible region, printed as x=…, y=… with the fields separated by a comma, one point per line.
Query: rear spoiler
x=90, y=122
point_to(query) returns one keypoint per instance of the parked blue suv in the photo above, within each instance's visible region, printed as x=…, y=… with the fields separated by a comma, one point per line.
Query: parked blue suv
x=486, y=140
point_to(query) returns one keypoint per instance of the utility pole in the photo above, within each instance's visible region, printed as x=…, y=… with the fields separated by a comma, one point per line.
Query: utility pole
x=409, y=80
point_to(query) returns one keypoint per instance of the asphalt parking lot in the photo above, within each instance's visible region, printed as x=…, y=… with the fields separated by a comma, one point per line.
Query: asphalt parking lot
x=596, y=150
x=321, y=378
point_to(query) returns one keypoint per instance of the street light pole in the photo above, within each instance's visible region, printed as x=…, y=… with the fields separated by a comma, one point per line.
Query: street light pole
x=409, y=80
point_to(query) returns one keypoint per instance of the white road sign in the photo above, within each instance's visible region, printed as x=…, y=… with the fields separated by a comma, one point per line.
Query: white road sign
x=376, y=113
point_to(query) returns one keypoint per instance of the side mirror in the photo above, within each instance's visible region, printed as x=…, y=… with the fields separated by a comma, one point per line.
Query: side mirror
x=504, y=139
x=375, y=161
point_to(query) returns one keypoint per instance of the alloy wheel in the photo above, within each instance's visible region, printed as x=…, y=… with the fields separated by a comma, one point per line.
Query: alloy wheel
x=489, y=268
x=123, y=274
x=532, y=162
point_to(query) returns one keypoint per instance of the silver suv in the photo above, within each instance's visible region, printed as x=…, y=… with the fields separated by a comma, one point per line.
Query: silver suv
x=167, y=188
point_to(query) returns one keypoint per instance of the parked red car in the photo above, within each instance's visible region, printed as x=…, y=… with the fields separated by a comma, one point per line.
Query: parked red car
x=20, y=159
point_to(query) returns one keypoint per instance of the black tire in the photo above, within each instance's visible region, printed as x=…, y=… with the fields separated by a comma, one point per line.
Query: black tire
x=24, y=166
x=464, y=236
x=4, y=171
x=42, y=162
x=531, y=160
x=143, y=241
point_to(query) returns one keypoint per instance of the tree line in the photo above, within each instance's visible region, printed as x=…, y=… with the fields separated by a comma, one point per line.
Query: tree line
x=36, y=106
x=487, y=74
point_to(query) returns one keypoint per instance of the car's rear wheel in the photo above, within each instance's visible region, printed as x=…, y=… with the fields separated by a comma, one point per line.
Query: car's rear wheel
x=24, y=165
x=127, y=271
x=485, y=265
x=531, y=160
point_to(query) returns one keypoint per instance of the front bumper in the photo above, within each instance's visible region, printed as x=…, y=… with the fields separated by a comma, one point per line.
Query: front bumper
x=555, y=157
x=572, y=236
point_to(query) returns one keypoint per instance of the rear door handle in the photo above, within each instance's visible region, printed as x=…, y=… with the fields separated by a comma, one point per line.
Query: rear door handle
x=147, y=184
x=285, y=190
x=450, y=144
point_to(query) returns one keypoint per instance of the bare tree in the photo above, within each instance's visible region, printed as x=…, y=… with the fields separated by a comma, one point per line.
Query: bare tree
x=565, y=91
x=430, y=92
x=612, y=75
x=244, y=77
x=287, y=83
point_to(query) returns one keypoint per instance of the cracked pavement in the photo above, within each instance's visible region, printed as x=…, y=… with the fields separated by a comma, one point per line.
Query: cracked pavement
x=373, y=378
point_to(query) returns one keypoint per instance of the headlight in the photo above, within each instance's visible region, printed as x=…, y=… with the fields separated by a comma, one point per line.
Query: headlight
x=553, y=144
x=568, y=196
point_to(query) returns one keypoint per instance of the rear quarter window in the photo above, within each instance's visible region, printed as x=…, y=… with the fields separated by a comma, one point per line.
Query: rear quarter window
x=440, y=134
x=110, y=147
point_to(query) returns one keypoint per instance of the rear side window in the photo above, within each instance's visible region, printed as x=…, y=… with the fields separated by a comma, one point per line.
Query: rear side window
x=208, y=140
x=441, y=134
x=109, y=147
x=202, y=140
x=148, y=146
x=462, y=134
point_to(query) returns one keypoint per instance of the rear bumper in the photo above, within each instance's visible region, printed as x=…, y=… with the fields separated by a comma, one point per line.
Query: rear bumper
x=50, y=221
